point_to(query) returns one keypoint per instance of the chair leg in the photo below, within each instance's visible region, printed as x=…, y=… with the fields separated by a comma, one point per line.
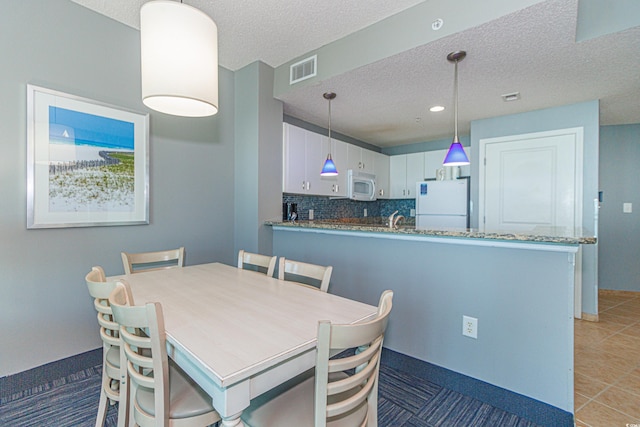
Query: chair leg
x=103, y=405
x=123, y=405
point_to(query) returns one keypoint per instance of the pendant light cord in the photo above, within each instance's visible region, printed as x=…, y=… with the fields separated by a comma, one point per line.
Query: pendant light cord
x=329, y=96
x=329, y=127
x=455, y=100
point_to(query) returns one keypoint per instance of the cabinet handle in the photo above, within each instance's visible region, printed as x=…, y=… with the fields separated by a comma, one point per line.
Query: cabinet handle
x=408, y=192
x=304, y=185
x=404, y=192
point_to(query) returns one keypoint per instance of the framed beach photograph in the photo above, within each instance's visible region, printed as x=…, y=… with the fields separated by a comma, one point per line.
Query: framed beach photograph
x=87, y=162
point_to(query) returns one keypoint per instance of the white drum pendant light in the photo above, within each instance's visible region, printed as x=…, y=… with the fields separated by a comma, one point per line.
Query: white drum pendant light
x=179, y=59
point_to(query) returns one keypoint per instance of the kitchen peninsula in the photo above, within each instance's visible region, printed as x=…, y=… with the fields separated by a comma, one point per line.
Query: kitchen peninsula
x=519, y=287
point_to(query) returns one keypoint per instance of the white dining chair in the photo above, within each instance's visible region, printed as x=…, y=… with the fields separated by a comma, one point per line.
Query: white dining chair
x=309, y=274
x=342, y=392
x=160, y=393
x=111, y=390
x=147, y=261
x=257, y=262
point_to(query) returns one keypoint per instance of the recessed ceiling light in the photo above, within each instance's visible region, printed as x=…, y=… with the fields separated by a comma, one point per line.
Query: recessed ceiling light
x=436, y=108
x=511, y=96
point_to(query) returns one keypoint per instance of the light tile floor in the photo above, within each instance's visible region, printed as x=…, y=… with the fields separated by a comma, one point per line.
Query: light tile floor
x=607, y=363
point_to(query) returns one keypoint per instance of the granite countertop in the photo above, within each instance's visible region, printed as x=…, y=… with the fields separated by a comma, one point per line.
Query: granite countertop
x=376, y=225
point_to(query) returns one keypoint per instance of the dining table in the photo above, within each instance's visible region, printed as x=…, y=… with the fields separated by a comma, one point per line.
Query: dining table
x=239, y=333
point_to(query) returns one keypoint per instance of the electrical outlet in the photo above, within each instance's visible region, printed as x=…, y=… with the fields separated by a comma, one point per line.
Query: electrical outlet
x=470, y=327
x=412, y=213
x=365, y=212
x=310, y=214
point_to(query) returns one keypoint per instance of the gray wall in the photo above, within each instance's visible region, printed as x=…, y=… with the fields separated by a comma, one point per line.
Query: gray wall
x=619, y=233
x=45, y=311
x=585, y=115
x=522, y=299
x=258, y=147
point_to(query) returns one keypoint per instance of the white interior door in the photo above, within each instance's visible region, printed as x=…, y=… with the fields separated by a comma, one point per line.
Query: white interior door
x=533, y=182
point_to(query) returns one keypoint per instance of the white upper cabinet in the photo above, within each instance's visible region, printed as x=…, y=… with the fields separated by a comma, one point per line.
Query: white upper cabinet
x=304, y=154
x=381, y=170
x=360, y=159
x=404, y=171
x=294, y=176
x=337, y=184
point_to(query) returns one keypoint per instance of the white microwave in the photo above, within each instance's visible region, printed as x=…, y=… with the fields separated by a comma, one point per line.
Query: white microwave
x=361, y=185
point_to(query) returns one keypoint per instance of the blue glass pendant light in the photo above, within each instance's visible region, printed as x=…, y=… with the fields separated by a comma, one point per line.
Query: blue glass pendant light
x=329, y=168
x=456, y=155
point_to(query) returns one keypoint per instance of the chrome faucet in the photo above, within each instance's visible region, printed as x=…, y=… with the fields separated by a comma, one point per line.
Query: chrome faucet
x=391, y=223
x=393, y=220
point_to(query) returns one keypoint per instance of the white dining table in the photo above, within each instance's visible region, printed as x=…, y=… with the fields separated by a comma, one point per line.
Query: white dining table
x=239, y=333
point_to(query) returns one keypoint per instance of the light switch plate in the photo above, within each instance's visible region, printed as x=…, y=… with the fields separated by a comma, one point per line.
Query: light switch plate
x=627, y=207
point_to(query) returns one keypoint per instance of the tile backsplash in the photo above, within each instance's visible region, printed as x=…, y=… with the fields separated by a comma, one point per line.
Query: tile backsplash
x=325, y=208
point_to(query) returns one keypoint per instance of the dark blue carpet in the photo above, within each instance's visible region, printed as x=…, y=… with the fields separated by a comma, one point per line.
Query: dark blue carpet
x=405, y=400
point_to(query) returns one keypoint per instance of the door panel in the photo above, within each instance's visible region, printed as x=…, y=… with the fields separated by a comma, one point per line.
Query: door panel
x=530, y=183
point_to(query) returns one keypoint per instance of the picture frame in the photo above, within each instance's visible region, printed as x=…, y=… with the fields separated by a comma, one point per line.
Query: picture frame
x=87, y=162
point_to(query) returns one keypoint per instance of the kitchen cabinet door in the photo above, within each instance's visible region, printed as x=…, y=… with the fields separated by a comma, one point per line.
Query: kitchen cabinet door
x=415, y=172
x=360, y=159
x=381, y=170
x=398, y=176
x=432, y=162
x=294, y=177
x=368, y=160
x=316, y=150
x=338, y=187
x=354, y=157
x=405, y=170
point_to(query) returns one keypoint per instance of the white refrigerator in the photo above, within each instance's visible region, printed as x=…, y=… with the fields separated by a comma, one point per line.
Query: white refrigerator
x=442, y=204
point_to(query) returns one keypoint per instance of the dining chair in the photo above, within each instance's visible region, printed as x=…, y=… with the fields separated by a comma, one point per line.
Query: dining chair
x=343, y=391
x=111, y=390
x=148, y=261
x=158, y=388
x=257, y=262
x=308, y=274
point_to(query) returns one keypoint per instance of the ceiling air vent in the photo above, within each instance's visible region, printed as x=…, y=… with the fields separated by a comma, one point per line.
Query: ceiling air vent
x=303, y=70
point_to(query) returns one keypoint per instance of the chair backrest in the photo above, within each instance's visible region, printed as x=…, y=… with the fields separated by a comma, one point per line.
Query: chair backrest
x=297, y=271
x=147, y=261
x=257, y=262
x=338, y=392
x=143, y=342
x=100, y=290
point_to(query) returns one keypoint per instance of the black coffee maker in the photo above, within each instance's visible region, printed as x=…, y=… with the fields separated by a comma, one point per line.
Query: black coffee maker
x=289, y=211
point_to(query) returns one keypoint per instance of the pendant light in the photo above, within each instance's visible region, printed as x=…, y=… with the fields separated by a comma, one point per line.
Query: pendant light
x=329, y=168
x=179, y=59
x=456, y=155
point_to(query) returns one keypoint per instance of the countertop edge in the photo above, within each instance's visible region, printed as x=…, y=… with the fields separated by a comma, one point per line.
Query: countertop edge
x=452, y=236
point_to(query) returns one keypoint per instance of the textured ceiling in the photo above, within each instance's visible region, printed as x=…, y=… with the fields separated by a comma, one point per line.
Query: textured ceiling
x=273, y=31
x=532, y=51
